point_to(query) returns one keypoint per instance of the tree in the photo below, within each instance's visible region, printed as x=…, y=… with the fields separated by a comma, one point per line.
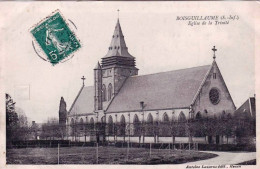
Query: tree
x=23, y=122
x=245, y=128
x=11, y=119
x=229, y=126
x=174, y=127
x=11, y=115
x=52, y=129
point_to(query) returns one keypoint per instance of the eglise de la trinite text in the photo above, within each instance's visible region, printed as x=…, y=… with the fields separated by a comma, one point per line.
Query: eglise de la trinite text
x=197, y=18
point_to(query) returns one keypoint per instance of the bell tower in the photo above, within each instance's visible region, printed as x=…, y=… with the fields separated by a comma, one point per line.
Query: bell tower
x=117, y=65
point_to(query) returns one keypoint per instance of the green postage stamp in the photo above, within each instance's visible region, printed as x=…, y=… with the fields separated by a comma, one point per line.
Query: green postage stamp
x=55, y=38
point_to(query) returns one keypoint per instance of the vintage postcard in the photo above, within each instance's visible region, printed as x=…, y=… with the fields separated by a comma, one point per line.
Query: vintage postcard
x=129, y=84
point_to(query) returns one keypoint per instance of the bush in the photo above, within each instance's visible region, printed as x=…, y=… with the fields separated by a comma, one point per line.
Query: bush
x=227, y=147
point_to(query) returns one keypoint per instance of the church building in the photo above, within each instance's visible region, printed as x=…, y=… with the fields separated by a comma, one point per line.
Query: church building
x=121, y=97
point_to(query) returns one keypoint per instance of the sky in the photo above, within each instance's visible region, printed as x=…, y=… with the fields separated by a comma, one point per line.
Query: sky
x=152, y=34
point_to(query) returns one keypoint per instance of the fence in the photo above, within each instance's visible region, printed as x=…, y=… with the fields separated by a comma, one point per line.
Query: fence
x=120, y=153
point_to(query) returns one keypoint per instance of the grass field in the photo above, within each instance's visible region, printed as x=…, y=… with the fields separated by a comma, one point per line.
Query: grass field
x=106, y=155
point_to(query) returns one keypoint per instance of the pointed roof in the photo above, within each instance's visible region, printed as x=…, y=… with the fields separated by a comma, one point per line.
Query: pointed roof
x=118, y=46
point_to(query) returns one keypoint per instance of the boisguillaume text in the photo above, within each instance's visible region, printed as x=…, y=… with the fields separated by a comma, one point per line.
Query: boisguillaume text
x=208, y=20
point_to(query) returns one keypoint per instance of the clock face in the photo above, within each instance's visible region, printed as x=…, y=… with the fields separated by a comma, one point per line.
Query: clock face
x=214, y=96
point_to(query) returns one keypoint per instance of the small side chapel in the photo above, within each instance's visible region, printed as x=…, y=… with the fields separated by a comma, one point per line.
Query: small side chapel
x=125, y=101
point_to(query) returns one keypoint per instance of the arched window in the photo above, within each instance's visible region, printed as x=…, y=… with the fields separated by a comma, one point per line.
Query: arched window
x=136, y=119
x=137, y=126
x=149, y=125
x=81, y=121
x=198, y=116
x=198, y=128
x=165, y=126
x=122, y=126
x=110, y=91
x=182, y=117
x=104, y=95
x=150, y=118
x=103, y=119
x=181, y=125
x=173, y=117
x=91, y=123
x=81, y=124
x=110, y=125
x=165, y=118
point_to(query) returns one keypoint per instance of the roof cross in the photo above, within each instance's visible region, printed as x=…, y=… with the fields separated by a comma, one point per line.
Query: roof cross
x=83, y=79
x=214, y=50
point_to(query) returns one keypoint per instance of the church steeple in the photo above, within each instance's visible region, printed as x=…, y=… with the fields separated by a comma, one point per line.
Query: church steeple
x=118, y=46
x=116, y=66
x=118, y=54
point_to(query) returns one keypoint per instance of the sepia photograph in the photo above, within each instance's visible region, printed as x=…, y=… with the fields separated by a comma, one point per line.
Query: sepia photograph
x=123, y=83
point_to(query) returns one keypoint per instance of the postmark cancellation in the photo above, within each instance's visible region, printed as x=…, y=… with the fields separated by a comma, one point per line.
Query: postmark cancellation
x=55, y=38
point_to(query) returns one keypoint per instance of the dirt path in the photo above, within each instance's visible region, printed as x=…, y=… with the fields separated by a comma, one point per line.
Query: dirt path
x=225, y=158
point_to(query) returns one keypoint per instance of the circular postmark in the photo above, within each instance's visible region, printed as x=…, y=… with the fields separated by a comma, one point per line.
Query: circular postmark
x=54, y=40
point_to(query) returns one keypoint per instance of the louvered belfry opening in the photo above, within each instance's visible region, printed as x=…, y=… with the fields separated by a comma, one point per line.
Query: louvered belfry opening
x=118, y=61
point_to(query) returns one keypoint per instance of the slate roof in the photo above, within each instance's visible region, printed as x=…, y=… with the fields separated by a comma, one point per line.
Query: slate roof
x=248, y=107
x=173, y=89
x=118, y=46
x=165, y=90
x=84, y=102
